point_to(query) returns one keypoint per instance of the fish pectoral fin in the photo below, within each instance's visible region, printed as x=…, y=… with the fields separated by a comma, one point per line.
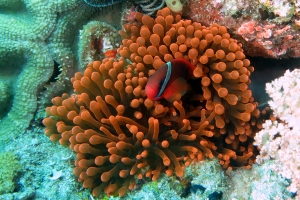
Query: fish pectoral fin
x=173, y=97
x=176, y=90
x=179, y=85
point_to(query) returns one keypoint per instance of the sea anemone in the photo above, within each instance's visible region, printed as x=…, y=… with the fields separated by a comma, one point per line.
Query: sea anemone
x=121, y=136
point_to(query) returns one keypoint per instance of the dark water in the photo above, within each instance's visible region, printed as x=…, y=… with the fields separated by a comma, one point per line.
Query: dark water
x=266, y=70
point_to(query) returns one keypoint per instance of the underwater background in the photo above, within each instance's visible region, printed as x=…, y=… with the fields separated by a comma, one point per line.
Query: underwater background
x=58, y=57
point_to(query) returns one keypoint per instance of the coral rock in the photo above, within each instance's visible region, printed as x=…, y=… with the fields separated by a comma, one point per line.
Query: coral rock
x=265, y=28
x=95, y=39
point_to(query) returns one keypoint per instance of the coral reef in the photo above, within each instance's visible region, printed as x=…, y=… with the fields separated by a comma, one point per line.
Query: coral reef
x=120, y=135
x=265, y=28
x=260, y=182
x=209, y=174
x=37, y=167
x=37, y=35
x=280, y=139
x=37, y=159
x=9, y=168
x=257, y=183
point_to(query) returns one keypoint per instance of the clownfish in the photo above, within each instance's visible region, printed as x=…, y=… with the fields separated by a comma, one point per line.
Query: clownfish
x=170, y=80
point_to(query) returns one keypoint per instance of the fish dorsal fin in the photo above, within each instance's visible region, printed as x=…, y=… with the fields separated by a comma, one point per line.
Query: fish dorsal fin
x=166, y=80
x=176, y=90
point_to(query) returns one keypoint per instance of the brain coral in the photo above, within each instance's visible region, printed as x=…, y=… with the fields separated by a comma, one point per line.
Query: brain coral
x=33, y=35
x=121, y=136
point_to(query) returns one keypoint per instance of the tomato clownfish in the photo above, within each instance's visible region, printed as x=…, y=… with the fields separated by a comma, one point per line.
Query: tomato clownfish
x=169, y=81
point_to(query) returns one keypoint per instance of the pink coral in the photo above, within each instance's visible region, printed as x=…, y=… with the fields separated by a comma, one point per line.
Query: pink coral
x=248, y=27
x=280, y=140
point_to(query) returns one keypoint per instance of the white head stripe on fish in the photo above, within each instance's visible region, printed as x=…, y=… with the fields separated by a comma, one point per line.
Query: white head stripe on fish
x=166, y=80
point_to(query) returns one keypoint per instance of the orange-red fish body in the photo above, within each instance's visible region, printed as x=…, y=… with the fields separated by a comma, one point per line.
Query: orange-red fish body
x=112, y=53
x=170, y=80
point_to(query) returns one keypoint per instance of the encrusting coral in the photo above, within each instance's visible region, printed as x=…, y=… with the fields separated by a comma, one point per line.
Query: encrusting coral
x=265, y=28
x=120, y=135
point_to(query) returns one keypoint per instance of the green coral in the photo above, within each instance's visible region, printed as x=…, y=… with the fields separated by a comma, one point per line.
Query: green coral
x=153, y=185
x=34, y=35
x=9, y=168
